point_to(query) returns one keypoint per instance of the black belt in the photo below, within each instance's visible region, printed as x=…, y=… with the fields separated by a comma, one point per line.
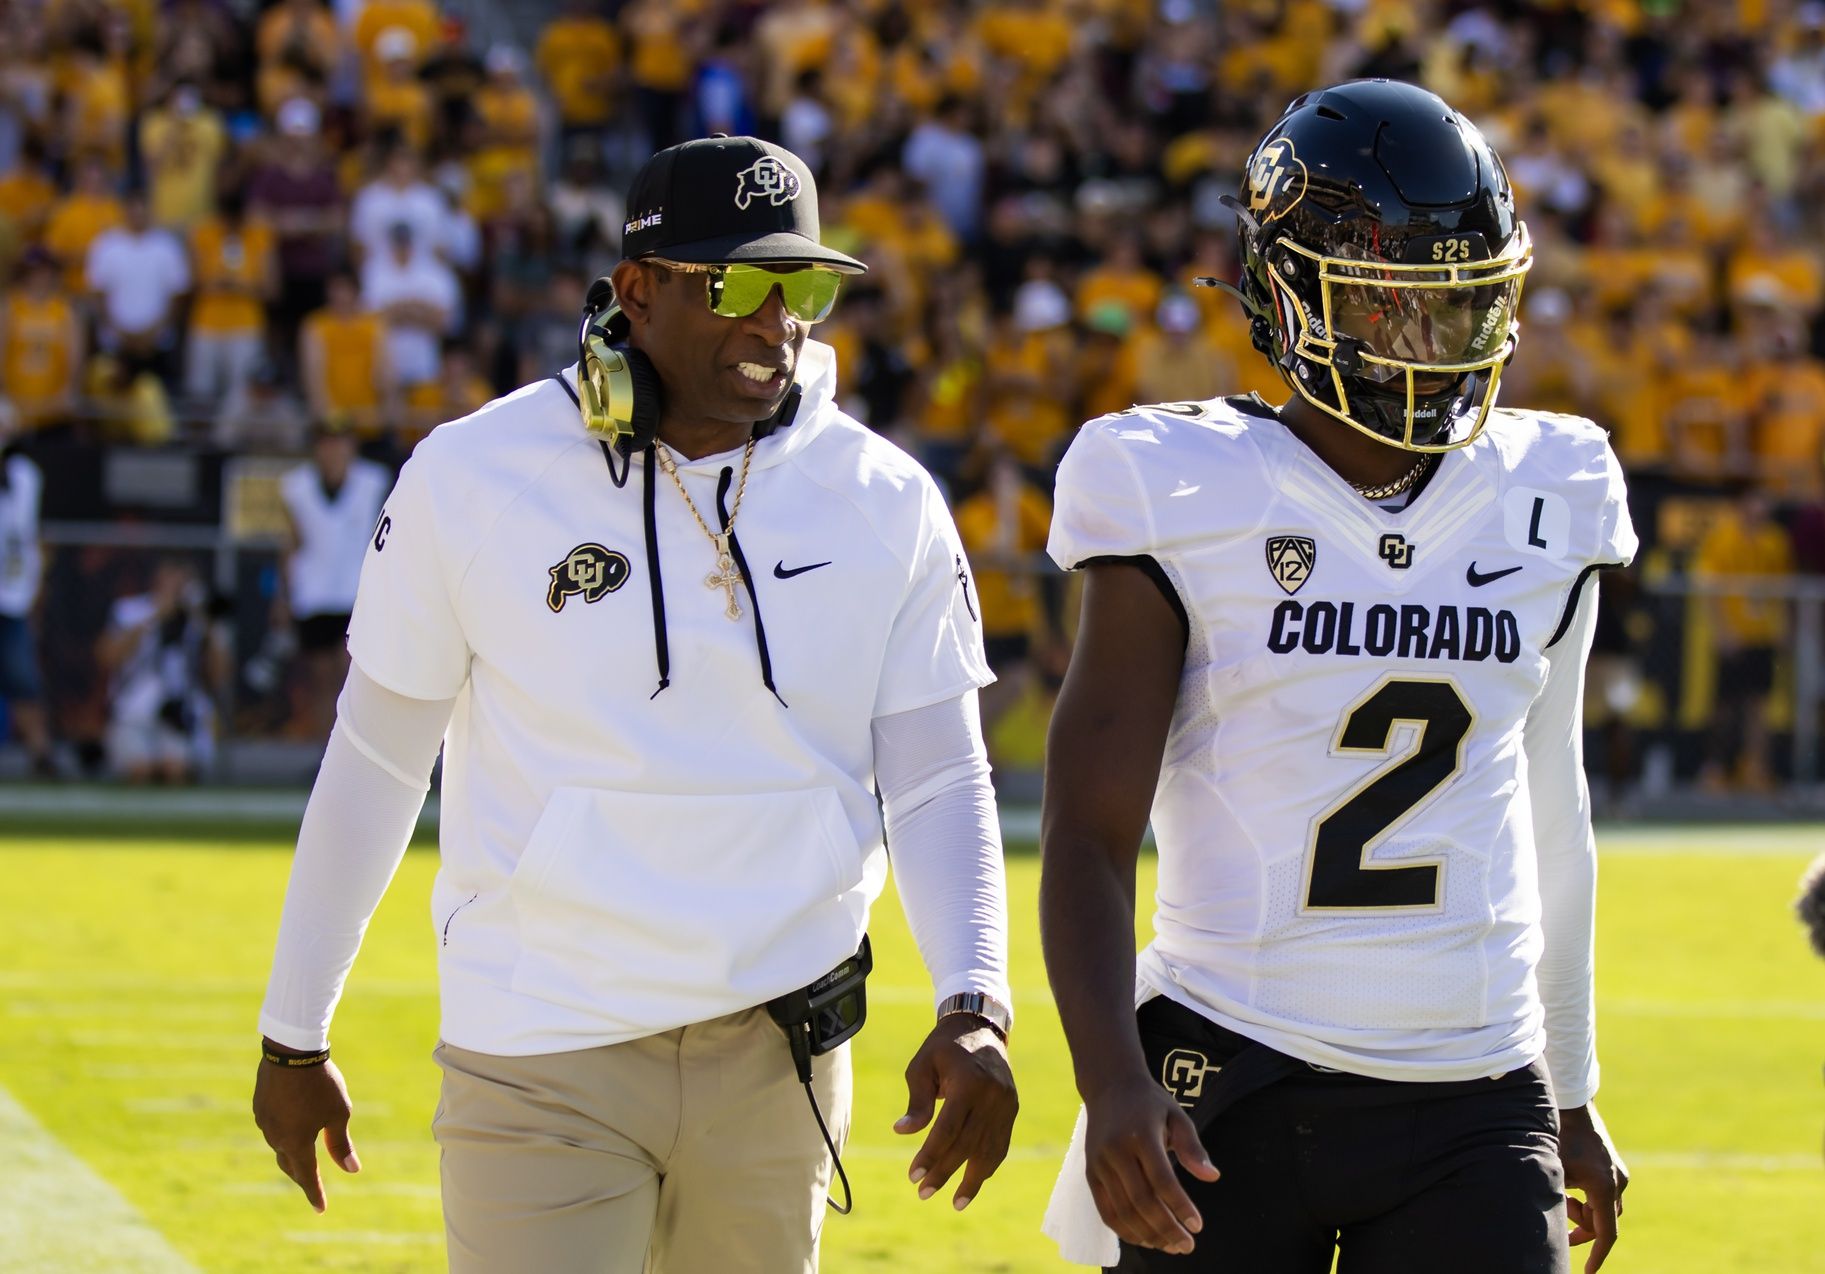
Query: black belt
x=1207, y=1067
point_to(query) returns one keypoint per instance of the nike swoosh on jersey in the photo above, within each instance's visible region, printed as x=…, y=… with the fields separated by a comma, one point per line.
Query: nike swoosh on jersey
x=780, y=571
x=1477, y=579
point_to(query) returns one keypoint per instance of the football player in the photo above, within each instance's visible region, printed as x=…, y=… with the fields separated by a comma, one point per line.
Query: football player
x=1335, y=651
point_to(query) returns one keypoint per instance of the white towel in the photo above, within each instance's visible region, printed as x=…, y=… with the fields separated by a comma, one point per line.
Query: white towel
x=1072, y=1220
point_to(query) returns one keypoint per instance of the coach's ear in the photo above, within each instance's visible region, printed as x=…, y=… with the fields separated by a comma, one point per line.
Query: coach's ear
x=634, y=286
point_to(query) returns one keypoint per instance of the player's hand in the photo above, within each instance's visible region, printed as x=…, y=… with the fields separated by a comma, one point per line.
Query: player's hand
x=292, y=1107
x=964, y=1064
x=1131, y=1130
x=1593, y=1166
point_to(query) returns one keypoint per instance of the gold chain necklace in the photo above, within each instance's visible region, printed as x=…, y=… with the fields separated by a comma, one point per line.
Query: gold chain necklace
x=726, y=576
x=1395, y=487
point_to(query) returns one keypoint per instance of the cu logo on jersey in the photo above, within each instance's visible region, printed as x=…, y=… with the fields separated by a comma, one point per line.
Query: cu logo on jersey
x=765, y=178
x=589, y=569
x=1396, y=552
x=1276, y=180
x=1290, y=559
x=1182, y=1074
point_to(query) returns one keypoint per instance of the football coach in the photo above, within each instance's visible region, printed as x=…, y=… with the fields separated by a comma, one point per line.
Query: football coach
x=675, y=619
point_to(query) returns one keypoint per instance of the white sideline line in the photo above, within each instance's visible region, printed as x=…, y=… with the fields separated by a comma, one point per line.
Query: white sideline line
x=226, y=1011
x=881, y=992
x=1723, y=1161
x=166, y=1070
x=65, y=983
x=1733, y=840
x=203, y=1104
x=189, y=1042
x=57, y=1214
x=395, y=1189
x=373, y=1238
x=1780, y=1010
x=1019, y=822
x=250, y=1145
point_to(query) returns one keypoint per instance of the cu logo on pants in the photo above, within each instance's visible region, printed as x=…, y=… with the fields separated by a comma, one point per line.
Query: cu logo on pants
x=1182, y=1075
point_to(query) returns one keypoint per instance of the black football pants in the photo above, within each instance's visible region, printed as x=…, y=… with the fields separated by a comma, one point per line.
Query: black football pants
x=1401, y=1178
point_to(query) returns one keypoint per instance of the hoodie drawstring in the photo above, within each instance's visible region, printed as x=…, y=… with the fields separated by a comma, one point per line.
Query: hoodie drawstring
x=747, y=579
x=661, y=647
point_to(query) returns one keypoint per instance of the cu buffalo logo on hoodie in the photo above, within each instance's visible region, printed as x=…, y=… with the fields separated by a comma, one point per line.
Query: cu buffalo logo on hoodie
x=589, y=569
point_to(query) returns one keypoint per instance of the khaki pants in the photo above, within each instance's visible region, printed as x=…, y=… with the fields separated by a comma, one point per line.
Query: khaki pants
x=690, y=1152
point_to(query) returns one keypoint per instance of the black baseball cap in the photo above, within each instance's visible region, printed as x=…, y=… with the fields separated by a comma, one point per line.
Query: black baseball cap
x=727, y=199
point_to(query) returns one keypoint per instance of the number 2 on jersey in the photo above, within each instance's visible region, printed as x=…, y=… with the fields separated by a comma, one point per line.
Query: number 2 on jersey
x=1338, y=876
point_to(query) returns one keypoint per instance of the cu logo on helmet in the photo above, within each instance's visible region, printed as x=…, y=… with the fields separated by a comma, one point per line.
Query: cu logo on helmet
x=765, y=178
x=1276, y=179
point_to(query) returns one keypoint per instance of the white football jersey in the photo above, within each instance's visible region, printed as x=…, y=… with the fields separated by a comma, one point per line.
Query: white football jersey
x=1347, y=865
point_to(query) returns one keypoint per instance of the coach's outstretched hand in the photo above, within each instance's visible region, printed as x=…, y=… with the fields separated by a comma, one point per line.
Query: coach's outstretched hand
x=964, y=1064
x=1129, y=1130
x=292, y=1107
x=1593, y=1166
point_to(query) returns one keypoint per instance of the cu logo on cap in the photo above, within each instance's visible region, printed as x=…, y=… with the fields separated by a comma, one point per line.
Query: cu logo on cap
x=765, y=178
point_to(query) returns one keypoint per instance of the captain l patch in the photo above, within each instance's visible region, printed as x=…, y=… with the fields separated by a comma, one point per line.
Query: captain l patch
x=588, y=569
x=1290, y=558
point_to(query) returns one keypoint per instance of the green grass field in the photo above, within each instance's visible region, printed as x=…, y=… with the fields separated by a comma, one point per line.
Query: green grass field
x=131, y=973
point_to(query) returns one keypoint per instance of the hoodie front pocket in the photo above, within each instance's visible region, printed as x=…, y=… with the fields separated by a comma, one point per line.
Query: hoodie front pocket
x=659, y=908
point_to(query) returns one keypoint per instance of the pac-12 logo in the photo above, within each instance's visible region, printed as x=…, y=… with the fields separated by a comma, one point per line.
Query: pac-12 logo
x=765, y=178
x=588, y=569
x=1290, y=559
x=1276, y=180
x=1182, y=1074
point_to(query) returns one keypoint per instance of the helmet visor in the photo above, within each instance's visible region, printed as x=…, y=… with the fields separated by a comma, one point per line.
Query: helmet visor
x=1424, y=326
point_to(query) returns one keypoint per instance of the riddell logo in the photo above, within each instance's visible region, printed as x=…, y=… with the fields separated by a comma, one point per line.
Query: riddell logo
x=645, y=222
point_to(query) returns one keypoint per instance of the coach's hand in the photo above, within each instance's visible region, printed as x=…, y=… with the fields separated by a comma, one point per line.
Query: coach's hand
x=964, y=1064
x=292, y=1107
x=1130, y=1128
x=1593, y=1166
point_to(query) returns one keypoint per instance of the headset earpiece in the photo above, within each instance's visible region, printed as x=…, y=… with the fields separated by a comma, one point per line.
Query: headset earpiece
x=620, y=391
x=618, y=388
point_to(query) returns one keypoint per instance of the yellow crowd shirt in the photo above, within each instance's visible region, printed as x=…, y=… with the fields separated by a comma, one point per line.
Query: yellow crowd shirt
x=38, y=358
x=243, y=260
x=1732, y=549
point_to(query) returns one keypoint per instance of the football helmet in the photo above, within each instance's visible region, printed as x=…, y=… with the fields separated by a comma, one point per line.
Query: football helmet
x=1382, y=261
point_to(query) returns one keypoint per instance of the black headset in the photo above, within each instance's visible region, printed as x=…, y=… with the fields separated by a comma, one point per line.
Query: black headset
x=619, y=390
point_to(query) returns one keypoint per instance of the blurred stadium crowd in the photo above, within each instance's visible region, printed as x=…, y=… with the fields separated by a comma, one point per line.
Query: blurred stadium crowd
x=227, y=228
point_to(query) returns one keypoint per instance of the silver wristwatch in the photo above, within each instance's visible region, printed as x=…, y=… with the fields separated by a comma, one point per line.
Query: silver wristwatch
x=976, y=1004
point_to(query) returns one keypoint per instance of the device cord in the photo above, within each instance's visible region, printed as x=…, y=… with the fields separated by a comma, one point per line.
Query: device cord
x=848, y=1200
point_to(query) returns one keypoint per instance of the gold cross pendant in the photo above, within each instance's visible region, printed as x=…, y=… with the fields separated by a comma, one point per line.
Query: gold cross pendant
x=726, y=576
